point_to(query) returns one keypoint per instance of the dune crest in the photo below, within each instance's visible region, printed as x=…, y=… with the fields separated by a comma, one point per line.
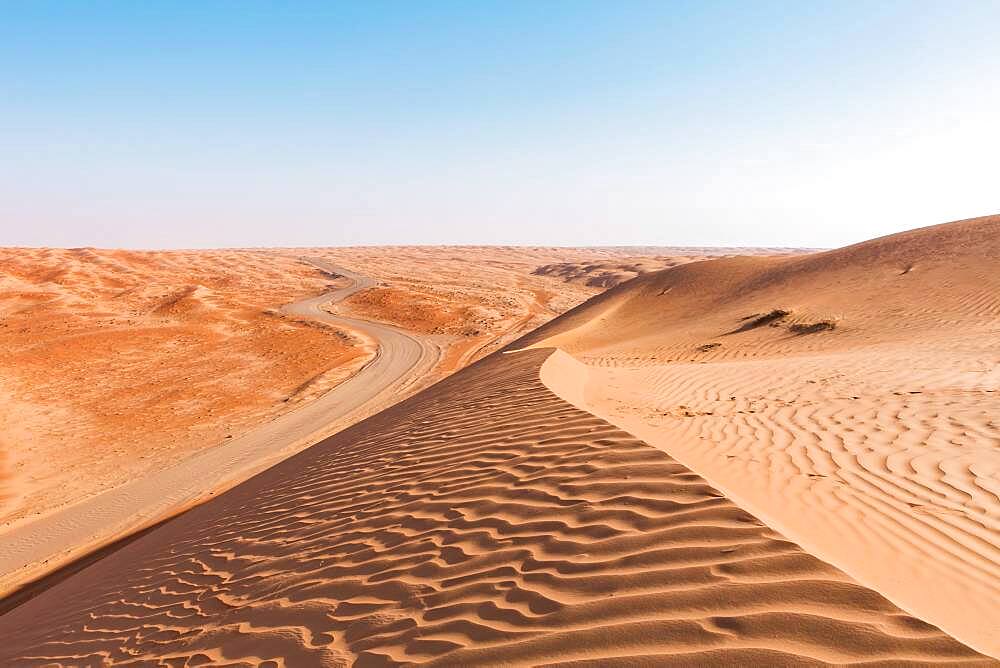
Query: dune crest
x=482, y=522
x=848, y=398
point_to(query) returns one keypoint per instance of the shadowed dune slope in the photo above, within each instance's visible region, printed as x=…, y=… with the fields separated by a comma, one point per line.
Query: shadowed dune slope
x=482, y=522
x=849, y=398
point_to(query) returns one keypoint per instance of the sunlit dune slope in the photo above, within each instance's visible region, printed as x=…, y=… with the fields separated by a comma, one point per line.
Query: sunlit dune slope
x=921, y=283
x=482, y=522
x=849, y=398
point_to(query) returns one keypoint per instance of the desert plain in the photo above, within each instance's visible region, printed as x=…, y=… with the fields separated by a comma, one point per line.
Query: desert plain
x=489, y=456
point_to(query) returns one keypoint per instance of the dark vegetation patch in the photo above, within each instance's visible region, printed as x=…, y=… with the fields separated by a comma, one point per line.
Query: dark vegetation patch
x=813, y=327
x=705, y=347
x=754, y=321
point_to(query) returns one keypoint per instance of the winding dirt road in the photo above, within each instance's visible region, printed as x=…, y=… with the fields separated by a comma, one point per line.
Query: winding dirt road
x=30, y=550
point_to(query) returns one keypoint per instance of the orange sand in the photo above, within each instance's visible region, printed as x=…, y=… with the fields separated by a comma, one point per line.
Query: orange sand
x=115, y=363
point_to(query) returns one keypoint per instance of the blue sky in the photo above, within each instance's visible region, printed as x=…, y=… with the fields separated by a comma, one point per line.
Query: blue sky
x=207, y=124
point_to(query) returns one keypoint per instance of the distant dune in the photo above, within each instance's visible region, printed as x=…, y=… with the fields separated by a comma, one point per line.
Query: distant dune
x=849, y=398
x=796, y=412
x=609, y=272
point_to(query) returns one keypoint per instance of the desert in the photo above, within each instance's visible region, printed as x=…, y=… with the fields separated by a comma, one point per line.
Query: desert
x=682, y=469
x=140, y=383
x=499, y=334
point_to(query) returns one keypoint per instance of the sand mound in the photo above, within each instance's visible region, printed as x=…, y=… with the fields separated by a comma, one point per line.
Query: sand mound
x=848, y=398
x=608, y=274
x=188, y=301
x=629, y=262
x=893, y=289
x=482, y=522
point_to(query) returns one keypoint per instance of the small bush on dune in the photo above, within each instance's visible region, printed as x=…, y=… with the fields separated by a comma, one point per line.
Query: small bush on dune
x=813, y=327
x=766, y=319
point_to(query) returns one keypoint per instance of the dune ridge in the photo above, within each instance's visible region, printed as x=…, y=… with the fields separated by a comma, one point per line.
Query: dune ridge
x=210, y=366
x=872, y=441
x=483, y=521
x=143, y=358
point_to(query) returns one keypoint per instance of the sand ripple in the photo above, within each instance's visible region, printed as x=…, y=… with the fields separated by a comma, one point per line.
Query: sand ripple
x=482, y=522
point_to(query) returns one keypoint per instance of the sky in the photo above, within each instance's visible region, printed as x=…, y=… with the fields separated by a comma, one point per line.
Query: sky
x=235, y=124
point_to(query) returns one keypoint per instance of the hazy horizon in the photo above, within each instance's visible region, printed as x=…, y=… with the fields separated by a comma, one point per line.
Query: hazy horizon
x=626, y=247
x=565, y=124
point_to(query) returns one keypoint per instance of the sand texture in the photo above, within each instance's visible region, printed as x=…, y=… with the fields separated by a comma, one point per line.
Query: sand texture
x=116, y=364
x=850, y=399
x=780, y=460
x=482, y=522
x=136, y=383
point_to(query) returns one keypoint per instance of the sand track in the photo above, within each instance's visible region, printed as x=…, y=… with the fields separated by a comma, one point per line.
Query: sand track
x=401, y=360
x=484, y=521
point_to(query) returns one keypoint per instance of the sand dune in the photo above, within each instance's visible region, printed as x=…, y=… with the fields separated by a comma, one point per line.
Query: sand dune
x=510, y=515
x=123, y=369
x=608, y=272
x=848, y=398
x=475, y=299
x=482, y=522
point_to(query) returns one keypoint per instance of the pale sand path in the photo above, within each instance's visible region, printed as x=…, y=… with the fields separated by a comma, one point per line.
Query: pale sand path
x=32, y=549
